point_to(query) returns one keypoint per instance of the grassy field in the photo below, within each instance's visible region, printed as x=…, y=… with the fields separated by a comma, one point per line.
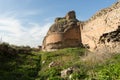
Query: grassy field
x=95, y=66
x=35, y=66
x=64, y=58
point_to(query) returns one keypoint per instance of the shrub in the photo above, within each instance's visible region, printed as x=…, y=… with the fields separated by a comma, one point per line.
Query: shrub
x=12, y=50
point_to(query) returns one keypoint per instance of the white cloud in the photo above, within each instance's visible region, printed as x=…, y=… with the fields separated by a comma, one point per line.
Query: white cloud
x=10, y=25
x=20, y=13
x=12, y=31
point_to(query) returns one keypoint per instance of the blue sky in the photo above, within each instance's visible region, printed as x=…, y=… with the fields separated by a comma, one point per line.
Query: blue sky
x=25, y=22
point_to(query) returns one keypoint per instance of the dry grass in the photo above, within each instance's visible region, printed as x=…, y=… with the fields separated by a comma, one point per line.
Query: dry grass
x=96, y=58
x=100, y=55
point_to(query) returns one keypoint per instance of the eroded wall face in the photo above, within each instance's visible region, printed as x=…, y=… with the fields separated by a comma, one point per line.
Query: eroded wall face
x=72, y=38
x=54, y=38
x=52, y=42
x=95, y=28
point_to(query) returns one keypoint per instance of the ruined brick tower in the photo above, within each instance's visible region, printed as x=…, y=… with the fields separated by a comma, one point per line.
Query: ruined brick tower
x=65, y=32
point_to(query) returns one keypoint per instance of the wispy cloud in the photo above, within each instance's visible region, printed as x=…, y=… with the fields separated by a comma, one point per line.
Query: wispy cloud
x=13, y=31
x=20, y=13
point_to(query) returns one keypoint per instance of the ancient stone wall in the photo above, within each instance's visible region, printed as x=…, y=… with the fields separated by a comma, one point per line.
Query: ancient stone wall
x=94, y=28
x=65, y=32
x=72, y=37
x=69, y=32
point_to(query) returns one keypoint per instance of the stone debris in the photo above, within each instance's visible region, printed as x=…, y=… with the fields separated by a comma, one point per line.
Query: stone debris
x=66, y=72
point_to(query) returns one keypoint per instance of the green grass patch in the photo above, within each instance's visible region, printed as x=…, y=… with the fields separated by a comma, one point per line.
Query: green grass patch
x=63, y=58
x=21, y=67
